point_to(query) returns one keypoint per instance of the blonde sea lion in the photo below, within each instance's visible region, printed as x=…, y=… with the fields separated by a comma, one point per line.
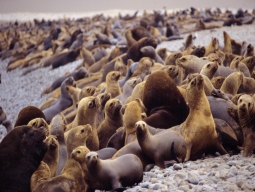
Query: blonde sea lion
x=88, y=107
x=112, y=85
x=209, y=69
x=232, y=83
x=137, y=92
x=200, y=135
x=212, y=47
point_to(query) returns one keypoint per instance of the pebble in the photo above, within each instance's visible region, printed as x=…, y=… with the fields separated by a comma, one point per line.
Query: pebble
x=193, y=178
x=177, y=166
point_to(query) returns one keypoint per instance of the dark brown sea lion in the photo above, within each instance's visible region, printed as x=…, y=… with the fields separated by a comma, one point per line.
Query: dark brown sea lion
x=27, y=114
x=21, y=152
x=160, y=92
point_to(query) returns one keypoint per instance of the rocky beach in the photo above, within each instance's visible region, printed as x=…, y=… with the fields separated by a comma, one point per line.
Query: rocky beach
x=220, y=173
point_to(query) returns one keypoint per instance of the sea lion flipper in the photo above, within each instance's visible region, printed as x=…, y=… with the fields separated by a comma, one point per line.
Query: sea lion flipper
x=188, y=152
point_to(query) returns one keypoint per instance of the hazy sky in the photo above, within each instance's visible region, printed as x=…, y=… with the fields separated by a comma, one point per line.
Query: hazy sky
x=7, y=6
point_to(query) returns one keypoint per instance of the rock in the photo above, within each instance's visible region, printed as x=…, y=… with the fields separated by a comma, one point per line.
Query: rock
x=145, y=185
x=180, y=175
x=230, y=163
x=177, y=167
x=184, y=188
x=154, y=180
x=193, y=178
x=160, y=176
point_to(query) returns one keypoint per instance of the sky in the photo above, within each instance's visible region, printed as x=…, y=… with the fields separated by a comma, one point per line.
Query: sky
x=58, y=6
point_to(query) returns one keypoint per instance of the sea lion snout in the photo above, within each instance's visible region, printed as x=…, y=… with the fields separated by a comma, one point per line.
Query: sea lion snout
x=140, y=125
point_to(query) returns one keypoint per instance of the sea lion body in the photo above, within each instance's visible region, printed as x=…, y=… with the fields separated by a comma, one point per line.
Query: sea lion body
x=117, y=173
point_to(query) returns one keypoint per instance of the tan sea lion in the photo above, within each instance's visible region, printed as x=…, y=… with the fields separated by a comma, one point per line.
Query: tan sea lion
x=40, y=123
x=76, y=137
x=88, y=107
x=113, y=120
x=71, y=179
x=137, y=92
x=249, y=62
x=87, y=91
x=112, y=85
x=132, y=114
x=161, y=147
x=248, y=85
x=198, y=129
x=117, y=173
x=171, y=59
x=227, y=43
x=232, y=83
x=209, y=69
x=217, y=81
x=97, y=66
x=212, y=47
x=246, y=113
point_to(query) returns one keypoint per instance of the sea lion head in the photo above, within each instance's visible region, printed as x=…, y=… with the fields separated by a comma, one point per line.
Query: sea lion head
x=141, y=128
x=69, y=81
x=51, y=142
x=171, y=59
x=113, y=76
x=40, y=123
x=82, y=73
x=113, y=107
x=195, y=89
x=83, y=131
x=87, y=91
x=245, y=103
x=172, y=71
x=218, y=81
x=91, y=158
x=79, y=153
x=134, y=81
x=89, y=104
x=103, y=98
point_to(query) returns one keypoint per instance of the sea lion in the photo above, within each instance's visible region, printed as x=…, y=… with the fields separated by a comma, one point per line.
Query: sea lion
x=199, y=135
x=227, y=43
x=99, y=53
x=163, y=53
x=212, y=47
x=217, y=81
x=249, y=62
x=209, y=69
x=22, y=148
x=161, y=147
x=236, y=47
x=63, y=102
x=27, y=114
x=249, y=51
x=57, y=127
x=137, y=92
x=132, y=114
x=117, y=173
x=66, y=58
x=149, y=51
x=143, y=68
x=102, y=38
x=232, y=83
x=246, y=113
x=113, y=120
x=97, y=66
x=76, y=137
x=70, y=180
x=120, y=66
x=248, y=85
x=42, y=173
x=213, y=57
x=112, y=85
x=171, y=59
x=88, y=58
x=88, y=107
x=198, y=51
x=128, y=88
x=40, y=123
x=87, y=91
x=235, y=62
x=160, y=92
x=100, y=116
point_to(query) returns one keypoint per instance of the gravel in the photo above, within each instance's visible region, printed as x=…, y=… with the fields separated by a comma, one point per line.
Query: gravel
x=222, y=173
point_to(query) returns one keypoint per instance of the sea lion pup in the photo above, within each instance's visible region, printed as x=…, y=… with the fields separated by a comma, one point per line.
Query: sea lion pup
x=123, y=171
x=149, y=51
x=120, y=66
x=99, y=65
x=2, y=115
x=246, y=111
x=163, y=53
x=212, y=47
x=235, y=62
x=227, y=43
x=112, y=85
x=88, y=58
x=248, y=85
x=77, y=136
x=41, y=124
x=137, y=92
x=209, y=69
x=87, y=108
x=143, y=68
x=213, y=57
x=100, y=116
x=63, y=102
x=77, y=74
x=71, y=179
x=161, y=147
x=171, y=59
x=132, y=114
x=217, y=81
x=232, y=83
x=22, y=148
x=27, y=114
x=57, y=127
x=199, y=135
x=249, y=51
x=102, y=38
x=128, y=88
x=160, y=93
x=113, y=120
x=236, y=47
x=198, y=51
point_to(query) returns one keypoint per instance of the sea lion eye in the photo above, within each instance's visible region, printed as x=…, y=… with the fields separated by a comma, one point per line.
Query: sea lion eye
x=82, y=131
x=192, y=83
x=183, y=59
x=249, y=104
x=102, y=97
x=171, y=69
x=78, y=152
x=88, y=89
x=241, y=100
x=91, y=104
x=111, y=104
x=208, y=65
x=135, y=82
x=34, y=124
